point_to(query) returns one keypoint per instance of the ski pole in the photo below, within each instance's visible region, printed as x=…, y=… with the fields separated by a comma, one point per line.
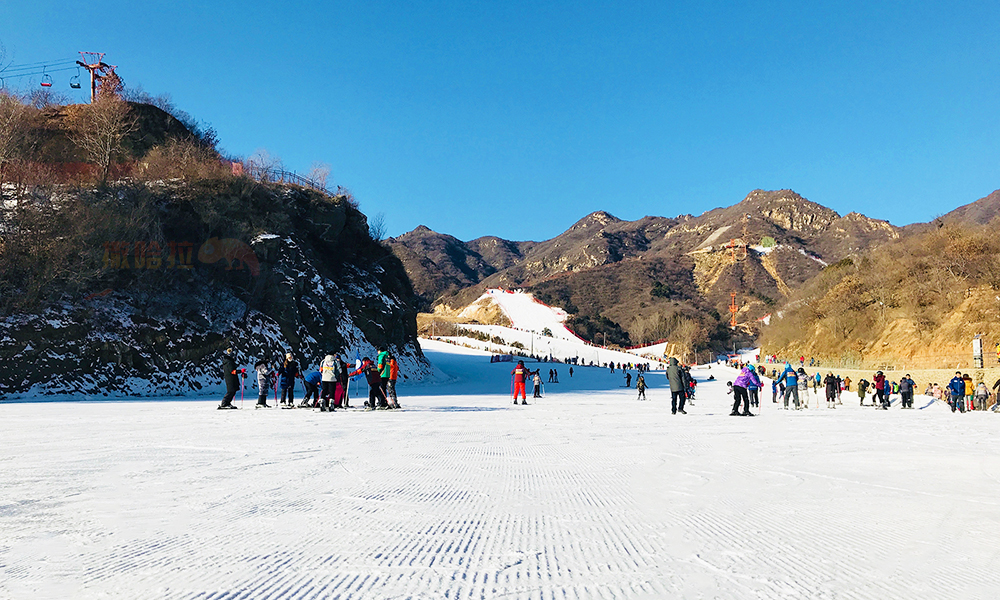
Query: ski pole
x=243, y=379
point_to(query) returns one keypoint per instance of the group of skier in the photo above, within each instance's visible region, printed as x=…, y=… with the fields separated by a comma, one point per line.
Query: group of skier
x=326, y=388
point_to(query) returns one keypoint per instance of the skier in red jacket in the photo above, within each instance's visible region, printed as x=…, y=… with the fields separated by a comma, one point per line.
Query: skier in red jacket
x=520, y=374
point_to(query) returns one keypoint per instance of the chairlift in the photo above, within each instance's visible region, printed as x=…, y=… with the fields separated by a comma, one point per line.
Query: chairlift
x=74, y=81
x=46, y=79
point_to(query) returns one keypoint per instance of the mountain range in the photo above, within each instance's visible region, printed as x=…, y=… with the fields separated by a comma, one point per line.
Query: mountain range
x=638, y=281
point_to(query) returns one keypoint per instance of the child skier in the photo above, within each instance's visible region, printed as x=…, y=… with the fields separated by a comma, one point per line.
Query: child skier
x=263, y=382
x=640, y=384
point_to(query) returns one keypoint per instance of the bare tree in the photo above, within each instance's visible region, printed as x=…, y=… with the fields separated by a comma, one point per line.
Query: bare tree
x=14, y=128
x=319, y=173
x=102, y=126
x=377, y=227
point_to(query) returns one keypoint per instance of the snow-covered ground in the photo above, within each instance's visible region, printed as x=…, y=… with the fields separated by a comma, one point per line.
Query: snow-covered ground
x=585, y=493
x=530, y=318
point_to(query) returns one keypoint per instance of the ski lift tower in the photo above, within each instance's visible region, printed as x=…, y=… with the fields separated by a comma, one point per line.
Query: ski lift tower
x=94, y=62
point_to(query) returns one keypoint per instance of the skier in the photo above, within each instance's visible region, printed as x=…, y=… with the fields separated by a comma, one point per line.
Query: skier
x=774, y=390
x=831, y=390
x=311, y=382
x=329, y=369
x=817, y=380
x=982, y=396
x=536, y=379
x=791, y=381
x=287, y=373
x=640, y=384
x=231, y=379
x=383, y=371
x=906, y=386
x=340, y=395
x=753, y=390
x=393, y=376
x=678, y=391
x=970, y=389
x=628, y=379
x=804, y=388
x=746, y=377
x=862, y=390
x=520, y=374
x=880, y=391
x=555, y=375
x=263, y=382
x=957, y=388
x=571, y=372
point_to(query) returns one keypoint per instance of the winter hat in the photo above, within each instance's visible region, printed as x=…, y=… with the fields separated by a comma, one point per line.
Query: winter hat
x=328, y=358
x=288, y=356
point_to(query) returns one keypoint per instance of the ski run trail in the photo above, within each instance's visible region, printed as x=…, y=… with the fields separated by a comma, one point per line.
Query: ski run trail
x=584, y=493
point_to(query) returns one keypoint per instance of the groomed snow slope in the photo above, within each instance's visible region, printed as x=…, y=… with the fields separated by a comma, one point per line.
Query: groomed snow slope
x=529, y=318
x=585, y=493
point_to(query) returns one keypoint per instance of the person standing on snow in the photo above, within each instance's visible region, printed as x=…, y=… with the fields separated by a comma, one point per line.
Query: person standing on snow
x=957, y=388
x=678, y=391
x=287, y=373
x=880, y=392
x=753, y=390
x=628, y=379
x=536, y=380
x=263, y=382
x=311, y=382
x=906, y=387
x=329, y=373
x=831, y=384
x=231, y=379
x=862, y=390
x=791, y=381
x=520, y=375
x=774, y=391
x=640, y=384
x=982, y=396
x=746, y=378
x=383, y=371
x=393, y=376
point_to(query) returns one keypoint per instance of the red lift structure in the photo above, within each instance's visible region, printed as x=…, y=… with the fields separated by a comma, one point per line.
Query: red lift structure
x=94, y=62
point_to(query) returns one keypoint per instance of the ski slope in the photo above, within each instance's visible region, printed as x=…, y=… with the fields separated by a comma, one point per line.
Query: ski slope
x=585, y=493
x=529, y=318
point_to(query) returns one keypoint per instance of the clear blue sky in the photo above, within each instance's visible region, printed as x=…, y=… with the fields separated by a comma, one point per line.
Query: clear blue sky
x=518, y=118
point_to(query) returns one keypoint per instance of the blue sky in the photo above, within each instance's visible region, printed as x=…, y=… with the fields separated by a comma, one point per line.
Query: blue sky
x=518, y=118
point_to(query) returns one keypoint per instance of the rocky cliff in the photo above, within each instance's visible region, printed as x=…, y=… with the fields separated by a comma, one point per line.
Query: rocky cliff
x=147, y=284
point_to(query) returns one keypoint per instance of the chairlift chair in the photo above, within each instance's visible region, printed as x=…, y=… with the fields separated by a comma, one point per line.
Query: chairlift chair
x=46, y=79
x=74, y=81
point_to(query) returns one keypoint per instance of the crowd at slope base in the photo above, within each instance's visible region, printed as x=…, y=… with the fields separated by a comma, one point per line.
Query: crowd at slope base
x=327, y=388
x=961, y=393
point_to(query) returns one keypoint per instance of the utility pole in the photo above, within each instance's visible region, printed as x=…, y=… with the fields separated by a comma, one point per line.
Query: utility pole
x=94, y=63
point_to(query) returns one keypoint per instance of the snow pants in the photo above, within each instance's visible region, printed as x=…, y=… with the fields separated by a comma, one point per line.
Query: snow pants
x=538, y=391
x=907, y=399
x=791, y=390
x=754, y=397
x=674, y=405
x=338, y=395
x=740, y=393
x=232, y=385
x=289, y=392
x=519, y=389
x=391, y=392
x=312, y=391
x=328, y=392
